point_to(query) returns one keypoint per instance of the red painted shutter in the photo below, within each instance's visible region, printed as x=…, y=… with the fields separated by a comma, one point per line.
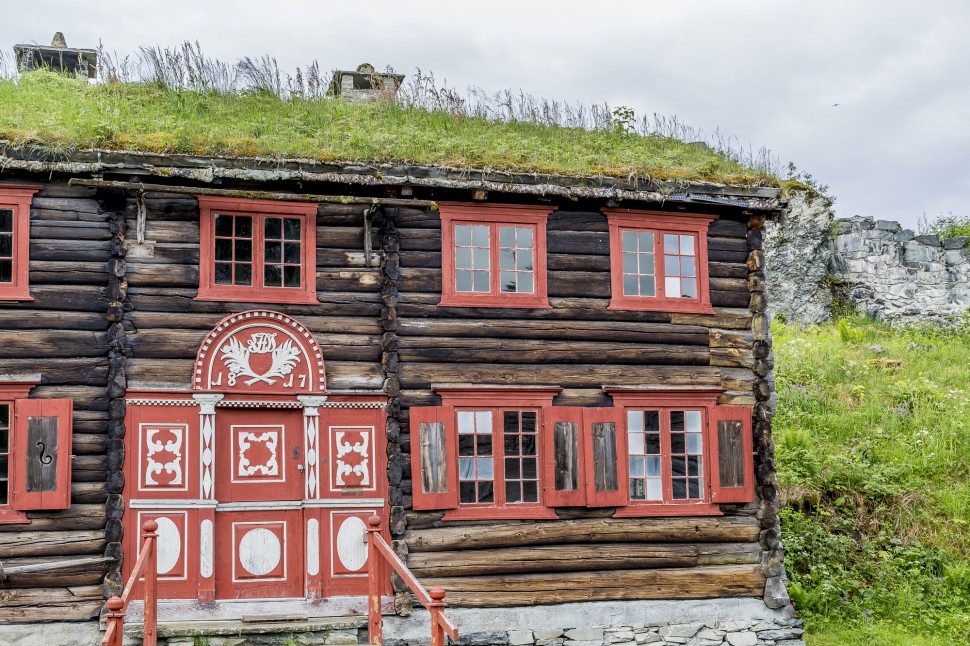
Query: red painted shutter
x=732, y=454
x=563, y=450
x=604, y=433
x=434, y=457
x=42, y=454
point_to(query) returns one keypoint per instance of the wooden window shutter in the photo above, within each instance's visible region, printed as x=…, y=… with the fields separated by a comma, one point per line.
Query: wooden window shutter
x=606, y=464
x=732, y=454
x=42, y=454
x=563, y=451
x=434, y=468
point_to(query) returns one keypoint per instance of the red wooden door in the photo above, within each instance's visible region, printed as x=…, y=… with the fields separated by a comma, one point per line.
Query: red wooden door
x=259, y=526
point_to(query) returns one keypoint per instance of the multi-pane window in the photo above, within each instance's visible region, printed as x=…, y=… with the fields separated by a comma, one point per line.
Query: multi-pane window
x=476, y=468
x=483, y=444
x=666, y=455
x=643, y=443
x=6, y=245
x=14, y=240
x=686, y=455
x=4, y=453
x=257, y=251
x=493, y=256
x=659, y=261
x=520, y=437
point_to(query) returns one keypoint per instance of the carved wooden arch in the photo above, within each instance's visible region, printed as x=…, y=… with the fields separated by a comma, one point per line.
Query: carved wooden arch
x=260, y=352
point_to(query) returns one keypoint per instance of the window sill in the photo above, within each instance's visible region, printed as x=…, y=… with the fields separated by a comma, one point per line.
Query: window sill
x=500, y=513
x=291, y=298
x=661, y=510
x=11, y=517
x=491, y=300
x=638, y=305
x=15, y=295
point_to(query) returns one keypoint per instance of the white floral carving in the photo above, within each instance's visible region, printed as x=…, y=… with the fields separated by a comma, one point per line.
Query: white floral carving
x=236, y=357
x=343, y=448
x=272, y=466
x=154, y=447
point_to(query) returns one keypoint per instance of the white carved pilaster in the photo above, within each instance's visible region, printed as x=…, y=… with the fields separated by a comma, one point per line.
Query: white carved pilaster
x=311, y=432
x=207, y=443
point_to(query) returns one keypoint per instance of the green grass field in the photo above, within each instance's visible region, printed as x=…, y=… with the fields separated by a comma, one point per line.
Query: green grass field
x=56, y=115
x=873, y=454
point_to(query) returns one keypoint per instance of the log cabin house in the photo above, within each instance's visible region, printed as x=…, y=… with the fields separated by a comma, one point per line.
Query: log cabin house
x=556, y=392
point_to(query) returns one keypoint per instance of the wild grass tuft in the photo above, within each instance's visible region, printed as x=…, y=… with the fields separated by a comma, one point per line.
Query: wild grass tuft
x=873, y=454
x=178, y=100
x=945, y=226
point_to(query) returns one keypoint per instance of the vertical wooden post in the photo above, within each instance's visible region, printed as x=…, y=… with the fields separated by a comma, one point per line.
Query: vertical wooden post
x=150, y=540
x=374, y=561
x=115, y=621
x=438, y=606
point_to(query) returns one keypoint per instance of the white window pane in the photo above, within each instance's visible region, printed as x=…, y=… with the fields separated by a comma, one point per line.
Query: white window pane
x=480, y=236
x=672, y=286
x=485, y=469
x=646, y=241
x=463, y=281
x=634, y=421
x=463, y=235
x=694, y=444
x=653, y=490
x=671, y=266
x=463, y=258
x=653, y=466
x=647, y=287
x=466, y=468
x=636, y=467
x=481, y=281
x=686, y=245
x=692, y=421
x=525, y=238
x=689, y=287
x=506, y=236
x=687, y=266
x=481, y=258
x=483, y=421
x=630, y=286
x=466, y=421
x=525, y=282
x=629, y=263
x=636, y=443
x=629, y=241
x=670, y=243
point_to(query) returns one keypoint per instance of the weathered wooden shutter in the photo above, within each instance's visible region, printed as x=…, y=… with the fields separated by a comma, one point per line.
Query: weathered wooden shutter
x=732, y=454
x=42, y=454
x=606, y=464
x=434, y=466
x=562, y=461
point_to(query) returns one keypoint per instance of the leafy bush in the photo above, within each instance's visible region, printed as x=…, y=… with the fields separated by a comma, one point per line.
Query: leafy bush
x=946, y=226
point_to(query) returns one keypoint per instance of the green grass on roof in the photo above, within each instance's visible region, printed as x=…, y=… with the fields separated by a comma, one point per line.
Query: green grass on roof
x=59, y=114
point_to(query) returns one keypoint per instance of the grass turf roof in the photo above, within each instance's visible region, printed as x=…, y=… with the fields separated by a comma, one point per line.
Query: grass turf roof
x=59, y=115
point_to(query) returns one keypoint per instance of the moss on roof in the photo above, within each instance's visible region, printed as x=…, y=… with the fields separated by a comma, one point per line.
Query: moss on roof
x=60, y=115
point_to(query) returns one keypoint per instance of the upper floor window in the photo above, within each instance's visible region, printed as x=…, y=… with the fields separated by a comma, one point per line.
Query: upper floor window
x=659, y=261
x=15, y=241
x=35, y=452
x=493, y=255
x=257, y=250
x=486, y=453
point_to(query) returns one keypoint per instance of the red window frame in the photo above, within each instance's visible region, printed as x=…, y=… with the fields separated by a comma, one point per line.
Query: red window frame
x=17, y=198
x=659, y=223
x=13, y=395
x=259, y=210
x=494, y=216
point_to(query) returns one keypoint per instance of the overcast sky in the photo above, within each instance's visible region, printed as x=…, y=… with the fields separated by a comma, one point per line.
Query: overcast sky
x=872, y=97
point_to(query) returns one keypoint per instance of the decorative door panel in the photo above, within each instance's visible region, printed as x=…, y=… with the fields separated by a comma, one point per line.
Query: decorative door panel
x=354, y=441
x=261, y=454
x=348, y=551
x=259, y=554
x=177, y=554
x=164, y=448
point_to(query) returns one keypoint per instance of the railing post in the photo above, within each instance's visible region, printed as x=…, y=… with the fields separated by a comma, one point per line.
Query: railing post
x=150, y=540
x=438, y=606
x=374, y=562
x=115, y=621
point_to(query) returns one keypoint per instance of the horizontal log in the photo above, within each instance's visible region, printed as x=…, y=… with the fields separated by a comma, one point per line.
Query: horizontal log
x=85, y=397
x=51, y=543
x=721, y=284
x=726, y=529
x=481, y=349
x=183, y=344
x=177, y=373
x=725, y=317
x=581, y=558
x=731, y=339
x=70, y=250
x=58, y=343
x=553, y=588
x=75, y=603
x=89, y=492
x=568, y=397
x=39, y=320
x=78, y=517
x=319, y=325
x=727, y=228
x=733, y=398
x=148, y=299
x=733, y=298
x=731, y=357
x=68, y=230
x=416, y=375
x=68, y=204
x=71, y=298
x=579, y=242
x=88, y=372
x=88, y=443
x=620, y=332
x=32, y=573
x=426, y=305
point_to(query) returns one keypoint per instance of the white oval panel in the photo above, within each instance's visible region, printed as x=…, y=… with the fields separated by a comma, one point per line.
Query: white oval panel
x=206, y=547
x=351, y=548
x=311, y=457
x=169, y=544
x=260, y=551
x=312, y=547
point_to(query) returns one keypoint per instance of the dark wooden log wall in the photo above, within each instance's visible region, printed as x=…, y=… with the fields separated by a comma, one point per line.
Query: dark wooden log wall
x=64, y=335
x=165, y=325
x=581, y=345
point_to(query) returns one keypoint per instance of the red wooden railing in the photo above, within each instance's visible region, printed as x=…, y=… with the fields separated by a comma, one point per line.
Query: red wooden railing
x=147, y=558
x=379, y=552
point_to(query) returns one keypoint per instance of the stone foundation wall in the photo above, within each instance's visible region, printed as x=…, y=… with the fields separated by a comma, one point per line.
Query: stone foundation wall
x=815, y=263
